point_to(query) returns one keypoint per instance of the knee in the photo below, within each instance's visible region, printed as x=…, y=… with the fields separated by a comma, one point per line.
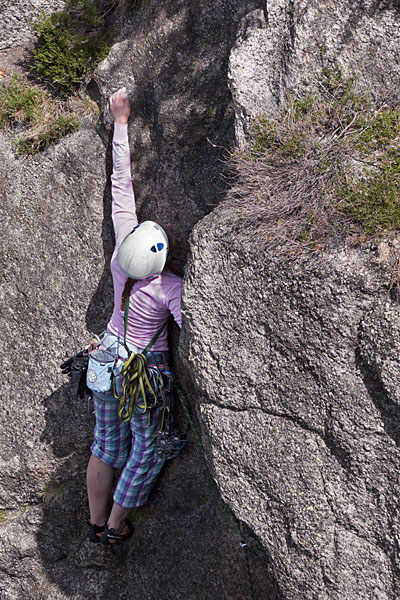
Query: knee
x=112, y=455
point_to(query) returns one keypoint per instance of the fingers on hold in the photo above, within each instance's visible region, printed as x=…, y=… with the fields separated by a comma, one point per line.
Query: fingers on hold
x=121, y=92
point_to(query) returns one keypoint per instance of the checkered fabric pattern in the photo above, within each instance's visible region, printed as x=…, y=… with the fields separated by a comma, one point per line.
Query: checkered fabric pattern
x=128, y=446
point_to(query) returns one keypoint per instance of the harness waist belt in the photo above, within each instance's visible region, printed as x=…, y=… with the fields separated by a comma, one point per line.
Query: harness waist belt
x=158, y=357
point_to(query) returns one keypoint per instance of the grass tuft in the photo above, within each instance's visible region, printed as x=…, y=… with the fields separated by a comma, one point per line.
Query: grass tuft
x=45, y=136
x=19, y=102
x=25, y=104
x=327, y=168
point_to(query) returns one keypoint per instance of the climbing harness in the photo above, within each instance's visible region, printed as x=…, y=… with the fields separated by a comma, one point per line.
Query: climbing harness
x=138, y=393
x=138, y=387
x=145, y=388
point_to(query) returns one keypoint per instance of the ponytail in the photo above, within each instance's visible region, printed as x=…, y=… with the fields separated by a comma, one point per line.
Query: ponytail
x=171, y=243
x=127, y=292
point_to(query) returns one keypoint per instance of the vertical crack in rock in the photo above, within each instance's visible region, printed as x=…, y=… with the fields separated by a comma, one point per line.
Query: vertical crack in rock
x=342, y=456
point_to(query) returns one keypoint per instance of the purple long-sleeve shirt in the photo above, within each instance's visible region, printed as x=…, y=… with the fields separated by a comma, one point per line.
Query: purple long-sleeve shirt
x=151, y=301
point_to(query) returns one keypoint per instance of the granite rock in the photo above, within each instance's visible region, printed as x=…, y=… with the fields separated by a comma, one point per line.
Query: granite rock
x=295, y=368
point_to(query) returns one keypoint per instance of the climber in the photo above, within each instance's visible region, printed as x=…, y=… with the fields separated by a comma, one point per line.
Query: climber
x=141, y=277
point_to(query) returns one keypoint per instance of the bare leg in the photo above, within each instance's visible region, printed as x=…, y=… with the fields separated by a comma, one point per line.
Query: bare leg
x=117, y=517
x=99, y=480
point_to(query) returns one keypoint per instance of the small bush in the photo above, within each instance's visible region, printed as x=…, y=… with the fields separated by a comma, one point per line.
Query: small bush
x=70, y=43
x=22, y=103
x=326, y=168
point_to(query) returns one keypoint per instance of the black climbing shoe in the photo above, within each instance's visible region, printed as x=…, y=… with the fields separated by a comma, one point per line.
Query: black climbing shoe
x=95, y=532
x=110, y=538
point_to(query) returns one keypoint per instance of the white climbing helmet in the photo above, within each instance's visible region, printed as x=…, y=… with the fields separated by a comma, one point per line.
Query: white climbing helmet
x=144, y=251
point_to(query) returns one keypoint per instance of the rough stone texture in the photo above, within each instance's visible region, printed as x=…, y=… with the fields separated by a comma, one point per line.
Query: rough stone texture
x=302, y=441
x=50, y=263
x=17, y=16
x=56, y=288
x=296, y=371
x=279, y=50
x=295, y=366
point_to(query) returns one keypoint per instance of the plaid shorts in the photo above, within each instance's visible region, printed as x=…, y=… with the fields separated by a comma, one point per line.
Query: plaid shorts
x=129, y=446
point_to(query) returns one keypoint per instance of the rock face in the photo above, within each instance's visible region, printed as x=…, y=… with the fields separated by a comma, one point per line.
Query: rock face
x=292, y=369
x=173, y=59
x=284, y=48
x=56, y=245
x=295, y=366
x=295, y=369
x=50, y=265
x=16, y=18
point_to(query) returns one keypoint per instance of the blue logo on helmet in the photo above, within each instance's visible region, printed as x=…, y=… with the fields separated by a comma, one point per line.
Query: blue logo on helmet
x=160, y=246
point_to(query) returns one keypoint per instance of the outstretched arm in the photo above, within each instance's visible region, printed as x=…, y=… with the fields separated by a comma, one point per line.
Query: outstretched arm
x=123, y=199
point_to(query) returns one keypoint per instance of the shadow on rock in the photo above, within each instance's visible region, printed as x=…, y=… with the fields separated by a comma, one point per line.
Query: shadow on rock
x=173, y=58
x=185, y=544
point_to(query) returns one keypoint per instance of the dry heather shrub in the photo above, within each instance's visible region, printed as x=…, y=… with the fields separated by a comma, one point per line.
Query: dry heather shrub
x=326, y=170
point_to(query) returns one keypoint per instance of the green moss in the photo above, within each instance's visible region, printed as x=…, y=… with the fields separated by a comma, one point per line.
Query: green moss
x=203, y=500
x=305, y=235
x=25, y=507
x=136, y=515
x=19, y=102
x=3, y=516
x=303, y=106
x=265, y=135
x=374, y=201
x=378, y=130
x=142, y=514
x=374, y=198
x=70, y=43
x=55, y=491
